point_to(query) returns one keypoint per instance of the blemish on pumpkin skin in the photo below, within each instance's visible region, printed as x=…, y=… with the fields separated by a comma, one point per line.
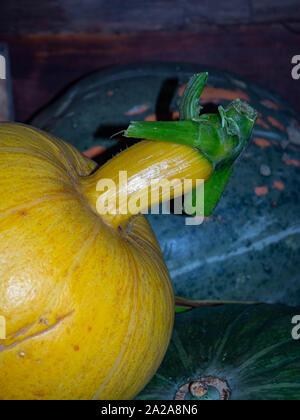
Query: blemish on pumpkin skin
x=261, y=191
x=76, y=348
x=261, y=142
x=23, y=213
x=279, y=185
x=292, y=162
x=175, y=115
x=94, y=151
x=90, y=329
x=151, y=117
x=270, y=104
x=212, y=94
x=276, y=123
x=293, y=148
x=261, y=122
x=39, y=394
x=138, y=109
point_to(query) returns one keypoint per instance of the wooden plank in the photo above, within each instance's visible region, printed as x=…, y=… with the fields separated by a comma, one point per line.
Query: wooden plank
x=275, y=10
x=117, y=16
x=6, y=110
x=44, y=65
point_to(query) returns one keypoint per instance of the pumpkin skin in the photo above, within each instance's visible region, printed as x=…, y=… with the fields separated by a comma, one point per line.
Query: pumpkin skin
x=89, y=311
x=243, y=353
x=250, y=248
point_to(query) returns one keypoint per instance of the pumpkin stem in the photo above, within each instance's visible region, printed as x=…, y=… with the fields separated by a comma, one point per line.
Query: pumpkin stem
x=189, y=108
x=202, y=147
x=141, y=177
x=220, y=138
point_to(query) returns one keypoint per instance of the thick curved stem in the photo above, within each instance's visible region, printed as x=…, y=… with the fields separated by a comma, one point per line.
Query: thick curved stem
x=142, y=177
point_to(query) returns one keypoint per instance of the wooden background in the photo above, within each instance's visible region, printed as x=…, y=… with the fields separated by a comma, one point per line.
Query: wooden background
x=54, y=42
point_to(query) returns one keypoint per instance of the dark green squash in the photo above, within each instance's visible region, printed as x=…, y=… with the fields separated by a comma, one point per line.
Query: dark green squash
x=250, y=248
x=230, y=352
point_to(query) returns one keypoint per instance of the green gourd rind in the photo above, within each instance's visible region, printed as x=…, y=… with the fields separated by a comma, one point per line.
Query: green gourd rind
x=250, y=348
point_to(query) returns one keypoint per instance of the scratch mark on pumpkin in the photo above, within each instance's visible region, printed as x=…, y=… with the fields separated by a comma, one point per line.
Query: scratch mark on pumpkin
x=292, y=162
x=33, y=203
x=175, y=115
x=293, y=148
x=270, y=104
x=261, y=142
x=279, y=185
x=38, y=334
x=212, y=94
x=276, y=123
x=21, y=332
x=255, y=246
x=151, y=117
x=137, y=109
x=260, y=191
x=261, y=122
x=94, y=151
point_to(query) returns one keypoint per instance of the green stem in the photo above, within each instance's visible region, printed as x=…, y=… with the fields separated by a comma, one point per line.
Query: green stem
x=220, y=138
x=189, y=108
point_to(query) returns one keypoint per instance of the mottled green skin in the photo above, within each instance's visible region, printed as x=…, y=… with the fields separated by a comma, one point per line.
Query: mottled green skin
x=250, y=249
x=251, y=348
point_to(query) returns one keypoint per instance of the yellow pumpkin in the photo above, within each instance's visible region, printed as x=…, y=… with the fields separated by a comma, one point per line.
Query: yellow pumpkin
x=87, y=298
